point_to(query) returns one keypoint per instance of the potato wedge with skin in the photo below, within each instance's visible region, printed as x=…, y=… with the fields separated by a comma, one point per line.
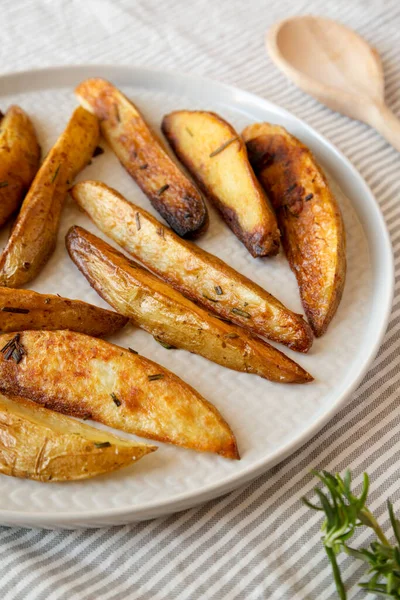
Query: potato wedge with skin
x=312, y=228
x=37, y=443
x=19, y=160
x=85, y=377
x=34, y=235
x=216, y=157
x=142, y=154
x=26, y=309
x=200, y=276
x=170, y=317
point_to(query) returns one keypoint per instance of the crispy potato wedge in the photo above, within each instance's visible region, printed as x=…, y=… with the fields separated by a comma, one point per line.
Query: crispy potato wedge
x=85, y=377
x=142, y=154
x=19, y=160
x=26, y=309
x=200, y=276
x=170, y=317
x=37, y=443
x=216, y=157
x=34, y=234
x=308, y=215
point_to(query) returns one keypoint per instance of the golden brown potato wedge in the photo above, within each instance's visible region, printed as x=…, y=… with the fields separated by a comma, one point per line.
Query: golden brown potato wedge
x=19, y=160
x=144, y=157
x=34, y=234
x=309, y=217
x=216, y=157
x=25, y=309
x=82, y=376
x=200, y=276
x=37, y=443
x=171, y=318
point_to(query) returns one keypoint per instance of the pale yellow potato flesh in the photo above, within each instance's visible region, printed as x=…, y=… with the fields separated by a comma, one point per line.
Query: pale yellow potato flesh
x=143, y=155
x=34, y=235
x=197, y=274
x=215, y=155
x=19, y=160
x=26, y=309
x=313, y=234
x=37, y=443
x=89, y=378
x=170, y=317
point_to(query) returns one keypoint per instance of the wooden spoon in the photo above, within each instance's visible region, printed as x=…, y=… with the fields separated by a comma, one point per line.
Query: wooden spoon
x=336, y=66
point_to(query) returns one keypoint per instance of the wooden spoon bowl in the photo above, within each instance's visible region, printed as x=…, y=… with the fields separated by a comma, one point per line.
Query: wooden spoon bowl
x=336, y=66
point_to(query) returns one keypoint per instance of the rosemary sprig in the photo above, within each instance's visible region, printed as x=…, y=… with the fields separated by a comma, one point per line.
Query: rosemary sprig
x=344, y=513
x=3, y=184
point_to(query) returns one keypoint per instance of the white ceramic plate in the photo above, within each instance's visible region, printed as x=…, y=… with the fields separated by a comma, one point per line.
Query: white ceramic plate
x=270, y=420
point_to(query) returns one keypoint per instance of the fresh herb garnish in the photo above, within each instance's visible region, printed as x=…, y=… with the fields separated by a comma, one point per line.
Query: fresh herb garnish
x=241, y=313
x=55, y=174
x=155, y=377
x=223, y=146
x=137, y=219
x=308, y=197
x=208, y=298
x=231, y=336
x=345, y=513
x=143, y=167
x=164, y=344
x=291, y=188
x=13, y=349
x=102, y=444
x=162, y=189
x=115, y=398
x=11, y=309
x=3, y=184
x=218, y=290
x=132, y=351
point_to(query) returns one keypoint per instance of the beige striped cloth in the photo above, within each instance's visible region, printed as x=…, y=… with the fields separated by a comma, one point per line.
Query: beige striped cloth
x=260, y=541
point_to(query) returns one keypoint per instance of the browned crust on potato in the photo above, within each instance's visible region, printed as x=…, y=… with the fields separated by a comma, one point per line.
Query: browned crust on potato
x=26, y=309
x=264, y=238
x=172, y=318
x=197, y=274
x=309, y=217
x=34, y=235
x=45, y=446
x=143, y=155
x=68, y=372
x=19, y=160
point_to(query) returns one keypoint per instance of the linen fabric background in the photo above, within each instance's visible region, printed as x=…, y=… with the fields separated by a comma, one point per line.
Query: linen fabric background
x=259, y=541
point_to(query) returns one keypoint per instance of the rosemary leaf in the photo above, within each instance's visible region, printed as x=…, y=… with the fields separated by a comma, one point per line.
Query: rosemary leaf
x=241, y=313
x=155, y=377
x=223, y=146
x=3, y=184
x=102, y=444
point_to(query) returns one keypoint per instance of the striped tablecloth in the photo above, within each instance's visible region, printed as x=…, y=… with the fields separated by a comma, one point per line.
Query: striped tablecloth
x=260, y=541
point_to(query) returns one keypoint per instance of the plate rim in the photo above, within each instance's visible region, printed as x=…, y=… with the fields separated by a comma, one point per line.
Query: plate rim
x=186, y=500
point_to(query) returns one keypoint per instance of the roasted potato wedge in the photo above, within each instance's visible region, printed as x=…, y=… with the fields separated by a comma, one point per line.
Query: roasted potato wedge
x=200, y=276
x=85, y=377
x=144, y=157
x=216, y=157
x=25, y=309
x=19, y=160
x=37, y=443
x=170, y=317
x=309, y=217
x=34, y=234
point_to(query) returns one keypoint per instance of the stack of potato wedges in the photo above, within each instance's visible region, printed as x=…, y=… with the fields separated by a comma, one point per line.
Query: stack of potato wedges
x=54, y=369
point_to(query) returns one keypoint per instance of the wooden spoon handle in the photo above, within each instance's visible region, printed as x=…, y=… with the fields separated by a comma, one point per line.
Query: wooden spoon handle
x=386, y=122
